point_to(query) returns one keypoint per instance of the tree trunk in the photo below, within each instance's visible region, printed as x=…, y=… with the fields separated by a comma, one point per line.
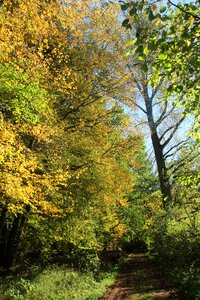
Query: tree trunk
x=158, y=150
x=9, y=238
x=162, y=170
x=13, y=241
x=3, y=235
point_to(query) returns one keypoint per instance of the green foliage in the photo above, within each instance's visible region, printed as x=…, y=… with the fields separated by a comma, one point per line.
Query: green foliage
x=58, y=283
x=173, y=239
x=174, y=41
x=67, y=148
x=167, y=41
x=135, y=214
x=66, y=144
x=173, y=236
x=22, y=98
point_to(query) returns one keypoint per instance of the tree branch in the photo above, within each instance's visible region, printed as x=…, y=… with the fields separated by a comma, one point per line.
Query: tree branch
x=155, y=91
x=142, y=123
x=176, y=126
x=175, y=146
x=157, y=123
x=189, y=216
x=182, y=163
x=140, y=107
x=135, y=80
x=168, y=114
x=176, y=150
x=183, y=10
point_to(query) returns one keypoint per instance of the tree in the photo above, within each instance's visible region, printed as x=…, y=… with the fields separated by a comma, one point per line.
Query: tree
x=163, y=118
x=135, y=215
x=175, y=38
x=163, y=115
x=173, y=234
x=66, y=142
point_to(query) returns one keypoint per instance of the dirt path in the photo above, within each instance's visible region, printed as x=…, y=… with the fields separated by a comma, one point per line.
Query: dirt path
x=140, y=279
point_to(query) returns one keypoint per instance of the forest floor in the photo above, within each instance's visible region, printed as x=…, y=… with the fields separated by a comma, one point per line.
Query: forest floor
x=140, y=279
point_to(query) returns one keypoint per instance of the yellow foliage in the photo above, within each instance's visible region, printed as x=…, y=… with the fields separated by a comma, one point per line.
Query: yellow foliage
x=20, y=183
x=78, y=163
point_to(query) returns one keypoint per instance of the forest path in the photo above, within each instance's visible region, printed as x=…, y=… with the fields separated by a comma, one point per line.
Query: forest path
x=140, y=279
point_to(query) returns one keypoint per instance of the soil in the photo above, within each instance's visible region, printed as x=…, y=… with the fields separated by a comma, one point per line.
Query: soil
x=140, y=279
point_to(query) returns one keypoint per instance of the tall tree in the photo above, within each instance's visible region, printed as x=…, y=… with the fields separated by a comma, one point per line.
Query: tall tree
x=66, y=142
x=175, y=38
x=163, y=116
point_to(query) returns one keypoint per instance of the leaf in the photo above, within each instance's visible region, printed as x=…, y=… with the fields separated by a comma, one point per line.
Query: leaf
x=152, y=45
x=162, y=56
x=125, y=22
x=125, y=6
x=151, y=16
x=128, y=53
x=145, y=67
x=133, y=11
x=140, y=49
x=154, y=6
x=163, y=9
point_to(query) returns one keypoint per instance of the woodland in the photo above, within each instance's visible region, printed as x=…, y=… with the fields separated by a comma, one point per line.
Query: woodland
x=99, y=147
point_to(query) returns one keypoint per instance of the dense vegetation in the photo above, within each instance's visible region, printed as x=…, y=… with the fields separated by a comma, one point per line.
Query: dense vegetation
x=165, y=48
x=76, y=183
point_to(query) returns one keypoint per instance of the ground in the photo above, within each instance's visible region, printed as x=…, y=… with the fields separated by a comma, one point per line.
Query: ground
x=140, y=279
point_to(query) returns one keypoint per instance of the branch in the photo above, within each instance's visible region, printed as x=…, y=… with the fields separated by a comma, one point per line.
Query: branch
x=82, y=104
x=145, y=94
x=157, y=103
x=105, y=152
x=191, y=212
x=154, y=92
x=157, y=123
x=140, y=107
x=135, y=80
x=75, y=167
x=177, y=149
x=176, y=126
x=140, y=90
x=182, y=163
x=186, y=12
x=141, y=123
x=175, y=146
x=74, y=109
x=168, y=114
x=149, y=157
x=98, y=119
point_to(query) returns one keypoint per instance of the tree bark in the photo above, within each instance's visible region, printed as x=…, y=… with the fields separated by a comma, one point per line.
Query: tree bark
x=158, y=150
x=9, y=238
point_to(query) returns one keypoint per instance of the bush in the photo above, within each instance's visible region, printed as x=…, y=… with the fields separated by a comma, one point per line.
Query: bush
x=175, y=244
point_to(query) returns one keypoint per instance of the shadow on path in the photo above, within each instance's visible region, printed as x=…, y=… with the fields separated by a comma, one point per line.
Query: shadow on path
x=140, y=279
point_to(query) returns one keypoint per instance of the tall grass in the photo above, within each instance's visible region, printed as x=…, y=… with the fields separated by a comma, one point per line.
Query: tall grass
x=58, y=283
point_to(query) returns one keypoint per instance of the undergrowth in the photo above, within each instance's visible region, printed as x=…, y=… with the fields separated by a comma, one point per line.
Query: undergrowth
x=57, y=283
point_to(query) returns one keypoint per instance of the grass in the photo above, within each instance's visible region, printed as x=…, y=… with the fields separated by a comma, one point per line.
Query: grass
x=143, y=296
x=58, y=283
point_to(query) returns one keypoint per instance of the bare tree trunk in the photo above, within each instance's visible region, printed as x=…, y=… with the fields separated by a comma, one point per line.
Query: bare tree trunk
x=158, y=150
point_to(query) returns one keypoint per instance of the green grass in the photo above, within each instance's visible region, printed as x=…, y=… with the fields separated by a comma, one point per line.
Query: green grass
x=142, y=296
x=58, y=283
